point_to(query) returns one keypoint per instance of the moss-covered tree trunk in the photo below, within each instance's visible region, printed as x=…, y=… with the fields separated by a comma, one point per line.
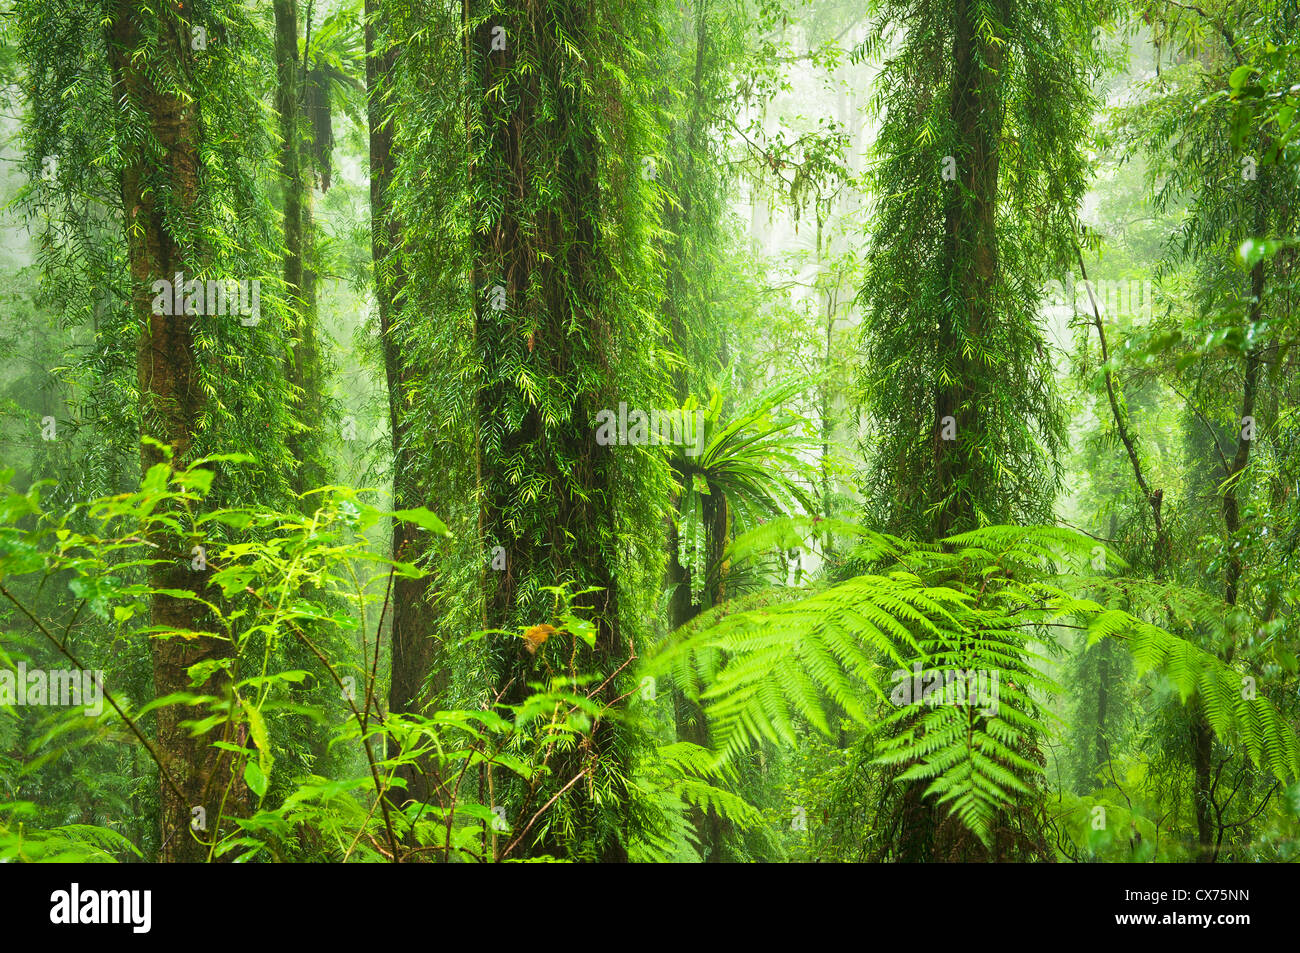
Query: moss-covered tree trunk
x=972, y=329
x=972, y=253
x=413, y=620
x=542, y=328
x=158, y=191
x=304, y=372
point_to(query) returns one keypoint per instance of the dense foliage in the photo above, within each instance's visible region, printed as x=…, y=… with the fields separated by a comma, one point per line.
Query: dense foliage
x=620, y=430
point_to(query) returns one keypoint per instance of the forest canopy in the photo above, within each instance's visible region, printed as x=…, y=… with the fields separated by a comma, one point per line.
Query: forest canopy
x=633, y=430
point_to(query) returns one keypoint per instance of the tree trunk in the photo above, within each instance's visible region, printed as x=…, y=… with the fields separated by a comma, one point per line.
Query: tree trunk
x=971, y=251
x=545, y=252
x=412, y=615
x=971, y=225
x=1202, y=738
x=688, y=713
x=304, y=364
x=153, y=188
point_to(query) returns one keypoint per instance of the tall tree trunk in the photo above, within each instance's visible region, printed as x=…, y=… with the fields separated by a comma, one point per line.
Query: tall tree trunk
x=971, y=226
x=304, y=364
x=1202, y=738
x=412, y=615
x=154, y=188
x=971, y=250
x=545, y=251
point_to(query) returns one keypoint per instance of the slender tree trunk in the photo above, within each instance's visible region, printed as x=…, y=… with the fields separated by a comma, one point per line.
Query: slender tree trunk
x=825, y=411
x=1231, y=511
x=304, y=364
x=1154, y=497
x=1207, y=832
x=691, y=724
x=412, y=615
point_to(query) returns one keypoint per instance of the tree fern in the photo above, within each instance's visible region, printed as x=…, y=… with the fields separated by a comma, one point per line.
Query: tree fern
x=979, y=602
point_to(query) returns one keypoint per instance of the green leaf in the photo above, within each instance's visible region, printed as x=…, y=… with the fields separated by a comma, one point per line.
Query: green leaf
x=423, y=518
x=257, y=728
x=255, y=779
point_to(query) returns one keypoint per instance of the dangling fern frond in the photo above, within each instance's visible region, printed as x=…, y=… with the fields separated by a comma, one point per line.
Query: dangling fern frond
x=681, y=776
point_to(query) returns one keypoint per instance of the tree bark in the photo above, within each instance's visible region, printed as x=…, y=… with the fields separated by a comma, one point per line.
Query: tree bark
x=412, y=616
x=153, y=190
x=1207, y=833
x=547, y=254
x=972, y=248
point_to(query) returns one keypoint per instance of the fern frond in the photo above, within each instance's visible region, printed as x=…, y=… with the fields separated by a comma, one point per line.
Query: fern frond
x=976, y=603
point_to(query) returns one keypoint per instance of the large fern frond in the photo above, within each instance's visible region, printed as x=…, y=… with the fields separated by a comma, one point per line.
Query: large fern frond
x=979, y=602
